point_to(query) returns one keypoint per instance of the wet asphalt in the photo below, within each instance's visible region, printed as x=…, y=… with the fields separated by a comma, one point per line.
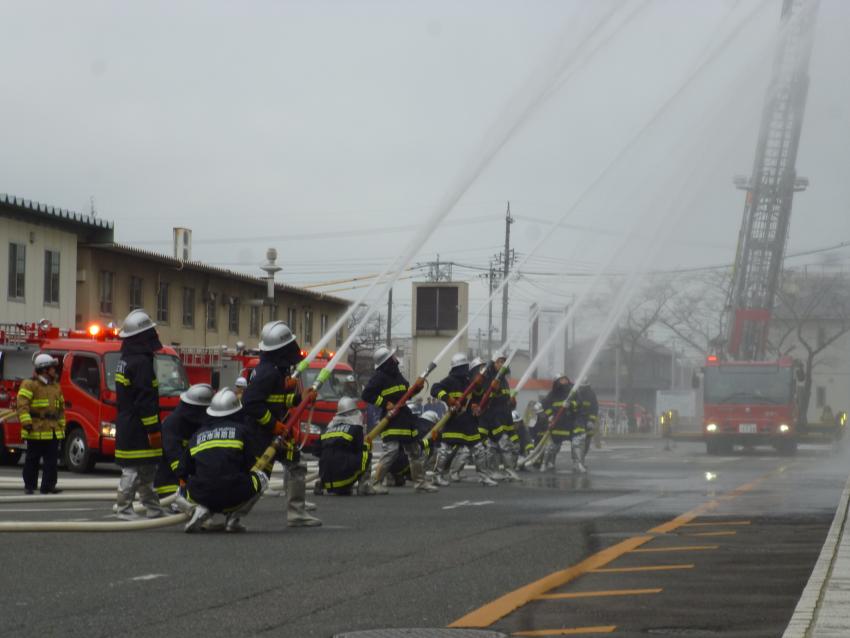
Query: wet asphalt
x=736, y=567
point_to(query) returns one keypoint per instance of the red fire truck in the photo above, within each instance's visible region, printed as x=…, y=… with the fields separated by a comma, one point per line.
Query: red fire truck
x=220, y=367
x=88, y=359
x=750, y=403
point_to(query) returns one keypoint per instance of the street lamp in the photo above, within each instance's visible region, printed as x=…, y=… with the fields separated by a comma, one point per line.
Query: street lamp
x=270, y=268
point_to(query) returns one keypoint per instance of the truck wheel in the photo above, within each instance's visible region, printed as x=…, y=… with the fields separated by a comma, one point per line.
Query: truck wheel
x=10, y=456
x=78, y=456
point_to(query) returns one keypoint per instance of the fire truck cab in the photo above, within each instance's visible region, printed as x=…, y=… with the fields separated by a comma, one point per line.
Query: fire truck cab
x=88, y=360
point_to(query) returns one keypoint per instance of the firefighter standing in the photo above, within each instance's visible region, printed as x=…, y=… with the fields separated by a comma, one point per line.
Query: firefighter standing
x=266, y=400
x=461, y=431
x=138, y=439
x=588, y=415
x=559, y=407
x=239, y=386
x=41, y=412
x=345, y=457
x=496, y=423
x=216, y=466
x=177, y=428
x=386, y=387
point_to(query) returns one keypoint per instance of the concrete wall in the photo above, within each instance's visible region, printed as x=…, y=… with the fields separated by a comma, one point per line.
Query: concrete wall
x=427, y=344
x=37, y=239
x=93, y=261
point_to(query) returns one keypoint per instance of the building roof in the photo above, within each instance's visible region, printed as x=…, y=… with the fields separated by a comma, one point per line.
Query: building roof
x=87, y=227
x=201, y=267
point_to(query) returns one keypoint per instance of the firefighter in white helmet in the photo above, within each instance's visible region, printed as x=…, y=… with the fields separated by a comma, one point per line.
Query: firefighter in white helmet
x=386, y=388
x=345, y=457
x=41, y=413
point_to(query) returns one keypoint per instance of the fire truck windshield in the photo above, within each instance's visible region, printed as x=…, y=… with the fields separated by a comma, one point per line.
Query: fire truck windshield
x=341, y=384
x=748, y=384
x=169, y=372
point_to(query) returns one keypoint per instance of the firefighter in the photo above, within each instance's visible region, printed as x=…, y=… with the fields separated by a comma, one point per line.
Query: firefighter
x=496, y=423
x=461, y=431
x=345, y=457
x=559, y=407
x=463, y=453
x=239, y=386
x=400, y=469
x=266, y=400
x=138, y=439
x=177, y=428
x=588, y=416
x=41, y=413
x=386, y=387
x=216, y=466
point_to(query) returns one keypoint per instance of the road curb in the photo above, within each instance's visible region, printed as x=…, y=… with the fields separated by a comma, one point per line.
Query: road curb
x=805, y=614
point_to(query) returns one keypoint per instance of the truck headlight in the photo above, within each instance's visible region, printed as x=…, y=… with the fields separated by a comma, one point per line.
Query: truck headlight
x=711, y=427
x=314, y=429
x=784, y=428
x=107, y=429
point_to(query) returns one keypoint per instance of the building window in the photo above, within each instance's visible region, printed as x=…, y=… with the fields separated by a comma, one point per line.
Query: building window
x=323, y=325
x=340, y=337
x=292, y=318
x=188, y=307
x=17, y=270
x=436, y=308
x=51, y=277
x=136, y=300
x=105, y=289
x=233, y=317
x=212, y=318
x=308, y=326
x=820, y=396
x=255, y=321
x=162, y=302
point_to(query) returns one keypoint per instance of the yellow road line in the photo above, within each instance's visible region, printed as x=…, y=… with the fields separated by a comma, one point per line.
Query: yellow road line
x=599, y=594
x=497, y=609
x=574, y=631
x=718, y=524
x=677, y=548
x=723, y=533
x=647, y=568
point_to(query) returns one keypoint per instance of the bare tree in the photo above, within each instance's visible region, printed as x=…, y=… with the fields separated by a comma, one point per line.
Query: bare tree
x=697, y=312
x=359, y=353
x=813, y=312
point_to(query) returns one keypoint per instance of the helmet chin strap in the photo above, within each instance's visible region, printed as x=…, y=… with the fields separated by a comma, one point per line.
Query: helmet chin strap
x=44, y=379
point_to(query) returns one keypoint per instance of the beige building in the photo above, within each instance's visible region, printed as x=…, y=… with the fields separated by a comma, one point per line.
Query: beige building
x=440, y=310
x=38, y=259
x=194, y=304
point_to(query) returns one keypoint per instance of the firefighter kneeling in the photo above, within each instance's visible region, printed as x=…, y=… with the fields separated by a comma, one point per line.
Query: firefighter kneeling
x=216, y=466
x=345, y=457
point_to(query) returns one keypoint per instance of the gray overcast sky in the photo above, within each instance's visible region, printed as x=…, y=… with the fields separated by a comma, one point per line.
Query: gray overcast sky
x=256, y=123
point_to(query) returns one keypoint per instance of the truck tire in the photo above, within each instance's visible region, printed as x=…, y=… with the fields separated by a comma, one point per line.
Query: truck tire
x=10, y=456
x=787, y=448
x=77, y=455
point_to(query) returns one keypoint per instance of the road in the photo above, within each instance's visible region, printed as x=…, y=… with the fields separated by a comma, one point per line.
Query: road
x=651, y=543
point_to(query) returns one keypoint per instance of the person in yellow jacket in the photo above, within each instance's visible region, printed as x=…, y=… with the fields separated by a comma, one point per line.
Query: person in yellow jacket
x=41, y=412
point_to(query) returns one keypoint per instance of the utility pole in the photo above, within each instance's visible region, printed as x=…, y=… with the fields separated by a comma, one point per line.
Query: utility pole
x=390, y=318
x=490, y=278
x=506, y=267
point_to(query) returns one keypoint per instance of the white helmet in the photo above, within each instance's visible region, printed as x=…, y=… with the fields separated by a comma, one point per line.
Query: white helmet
x=538, y=407
x=136, y=323
x=198, y=394
x=431, y=416
x=224, y=403
x=42, y=361
x=382, y=355
x=477, y=362
x=241, y=382
x=499, y=354
x=275, y=335
x=515, y=417
x=346, y=406
x=458, y=360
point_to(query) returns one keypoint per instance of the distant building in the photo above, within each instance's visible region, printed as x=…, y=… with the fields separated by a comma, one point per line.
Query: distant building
x=440, y=310
x=38, y=259
x=67, y=268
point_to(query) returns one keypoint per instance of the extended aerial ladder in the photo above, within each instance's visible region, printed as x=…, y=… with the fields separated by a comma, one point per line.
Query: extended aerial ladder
x=771, y=188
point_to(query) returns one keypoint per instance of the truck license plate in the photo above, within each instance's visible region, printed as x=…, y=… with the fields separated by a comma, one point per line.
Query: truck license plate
x=747, y=428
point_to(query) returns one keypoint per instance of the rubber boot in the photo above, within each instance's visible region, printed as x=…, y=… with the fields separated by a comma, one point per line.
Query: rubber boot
x=364, y=484
x=420, y=482
x=479, y=457
x=296, y=488
x=458, y=464
x=577, y=448
x=233, y=522
x=200, y=515
x=493, y=459
x=444, y=459
x=549, y=455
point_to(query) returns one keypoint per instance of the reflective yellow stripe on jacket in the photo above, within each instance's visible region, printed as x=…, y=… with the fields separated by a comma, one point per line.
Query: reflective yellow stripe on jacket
x=385, y=393
x=208, y=445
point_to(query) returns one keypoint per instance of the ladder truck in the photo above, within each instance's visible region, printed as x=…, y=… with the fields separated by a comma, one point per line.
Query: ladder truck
x=749, y=399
